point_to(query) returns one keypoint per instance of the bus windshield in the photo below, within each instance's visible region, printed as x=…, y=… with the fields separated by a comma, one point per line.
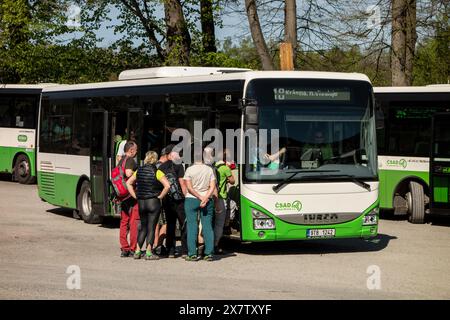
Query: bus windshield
x=326, y=130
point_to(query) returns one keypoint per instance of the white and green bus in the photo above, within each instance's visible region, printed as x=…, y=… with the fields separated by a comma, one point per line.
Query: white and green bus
x=19, y=106
x=316, y=190
x=414, y=178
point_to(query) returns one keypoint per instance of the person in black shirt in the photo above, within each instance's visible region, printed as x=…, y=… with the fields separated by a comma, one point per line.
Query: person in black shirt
x=174, y=203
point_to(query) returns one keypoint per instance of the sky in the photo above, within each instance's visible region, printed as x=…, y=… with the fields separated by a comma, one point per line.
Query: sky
x=234, y=26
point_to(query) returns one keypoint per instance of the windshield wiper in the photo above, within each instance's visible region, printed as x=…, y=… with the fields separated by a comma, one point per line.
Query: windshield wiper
x=286, y=181
x=355, y=180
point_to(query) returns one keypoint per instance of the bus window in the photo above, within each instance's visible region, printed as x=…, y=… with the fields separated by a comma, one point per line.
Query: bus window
x=5, y=111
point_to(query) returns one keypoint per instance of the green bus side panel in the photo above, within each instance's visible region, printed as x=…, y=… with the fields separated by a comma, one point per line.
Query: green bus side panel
x=58, y=189
x=288, y=231
x=7, y=155
x=441, y=189
x=389, y=180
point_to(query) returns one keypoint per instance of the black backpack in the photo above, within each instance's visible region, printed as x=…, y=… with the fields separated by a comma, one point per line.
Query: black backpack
x=175, y=192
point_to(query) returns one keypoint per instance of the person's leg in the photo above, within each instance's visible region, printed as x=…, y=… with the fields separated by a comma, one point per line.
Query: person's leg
x=123, y=231
x=143, y=232
x=154, y=208
x=171, y=217
x=219, y=220
x=155, y=242
x=182, y=222
x=134, y=226
x=190, y=207
x=206, y=216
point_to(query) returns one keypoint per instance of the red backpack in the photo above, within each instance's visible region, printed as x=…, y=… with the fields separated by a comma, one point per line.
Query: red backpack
x=118, y=180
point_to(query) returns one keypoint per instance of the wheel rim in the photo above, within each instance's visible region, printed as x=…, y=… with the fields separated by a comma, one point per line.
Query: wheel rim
x=86, y=202
x=24, y=168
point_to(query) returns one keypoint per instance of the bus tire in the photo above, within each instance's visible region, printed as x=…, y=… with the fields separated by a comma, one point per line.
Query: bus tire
x=22, y=170
x=84, y=204
x=416, y=203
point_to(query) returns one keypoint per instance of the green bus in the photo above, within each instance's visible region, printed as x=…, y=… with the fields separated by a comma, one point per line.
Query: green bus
x=305, y=197
x=413, y=132
x=19, y=106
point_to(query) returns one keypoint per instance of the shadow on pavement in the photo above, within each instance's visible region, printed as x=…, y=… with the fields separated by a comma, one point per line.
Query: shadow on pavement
x=108, y=222
x=434, y=220
x=6, y=177
x=378, y=243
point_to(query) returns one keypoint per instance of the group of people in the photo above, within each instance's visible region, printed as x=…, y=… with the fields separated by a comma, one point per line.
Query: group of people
x=161, y=190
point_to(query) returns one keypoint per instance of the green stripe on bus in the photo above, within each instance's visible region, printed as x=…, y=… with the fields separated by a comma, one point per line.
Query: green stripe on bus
x=289, y=231
x=64, y=195
x=390, y=179
x=7, y=155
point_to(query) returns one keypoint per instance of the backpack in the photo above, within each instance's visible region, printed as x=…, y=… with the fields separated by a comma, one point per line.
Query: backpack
x=217, y=175
x=175, y=192
x=118, y=180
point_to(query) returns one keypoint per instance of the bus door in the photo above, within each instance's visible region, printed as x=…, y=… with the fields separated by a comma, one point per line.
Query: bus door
x=134, y=127
x=99, y=161
x=440, y=164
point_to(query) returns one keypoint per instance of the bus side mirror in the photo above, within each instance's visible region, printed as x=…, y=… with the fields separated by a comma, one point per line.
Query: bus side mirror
x=251, y=115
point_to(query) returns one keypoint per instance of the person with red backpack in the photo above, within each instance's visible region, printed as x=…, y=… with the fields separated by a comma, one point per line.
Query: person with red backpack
x=129, y=215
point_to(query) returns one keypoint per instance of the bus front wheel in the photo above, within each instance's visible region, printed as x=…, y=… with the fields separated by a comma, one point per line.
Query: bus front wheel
x=22, y=170
x=416, y=203
x=84, y=204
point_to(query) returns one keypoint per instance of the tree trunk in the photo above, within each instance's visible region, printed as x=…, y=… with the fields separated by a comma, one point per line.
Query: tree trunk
x=257, y=35
x=178, y=38
x=207, y=21
x=411, y=38
x=404, y=38
x=290, y=25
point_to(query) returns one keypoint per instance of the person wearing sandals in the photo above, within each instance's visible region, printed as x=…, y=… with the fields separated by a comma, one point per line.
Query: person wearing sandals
x=201, y=184
x=151, y=187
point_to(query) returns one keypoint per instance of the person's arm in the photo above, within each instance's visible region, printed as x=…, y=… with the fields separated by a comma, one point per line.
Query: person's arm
x=229, y=175
x=211, y=190
x=130, y=185
x=191, y=190
x=183, y=185
x=128, y=171
x=166, y=186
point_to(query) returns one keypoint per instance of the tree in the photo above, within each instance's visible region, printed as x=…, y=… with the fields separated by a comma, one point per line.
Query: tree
x=257, y=35
x=207, y=23
x=178, y=37
x=403, y=41
x=290, y=24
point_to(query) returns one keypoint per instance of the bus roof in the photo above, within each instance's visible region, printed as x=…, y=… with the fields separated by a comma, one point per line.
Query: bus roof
x=244, y=76
x=435, y=88
x=169, y=72
x=27, y=86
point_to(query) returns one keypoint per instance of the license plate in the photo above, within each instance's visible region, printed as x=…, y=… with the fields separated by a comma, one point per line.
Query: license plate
x=320, y=233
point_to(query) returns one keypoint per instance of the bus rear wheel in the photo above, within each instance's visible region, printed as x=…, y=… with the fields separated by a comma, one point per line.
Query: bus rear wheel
x=416, y=203
x=84, y=205
x=22, y=170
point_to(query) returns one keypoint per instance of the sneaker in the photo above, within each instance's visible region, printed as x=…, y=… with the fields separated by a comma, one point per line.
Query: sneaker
x=151, y=257
x=191, y=258
x=172, y=253
x=124, y=253
x=208, y=258
x=137, y=255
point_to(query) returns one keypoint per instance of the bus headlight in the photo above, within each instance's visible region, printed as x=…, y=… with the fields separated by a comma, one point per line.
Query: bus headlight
x=371, y=218
x=262, y=221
